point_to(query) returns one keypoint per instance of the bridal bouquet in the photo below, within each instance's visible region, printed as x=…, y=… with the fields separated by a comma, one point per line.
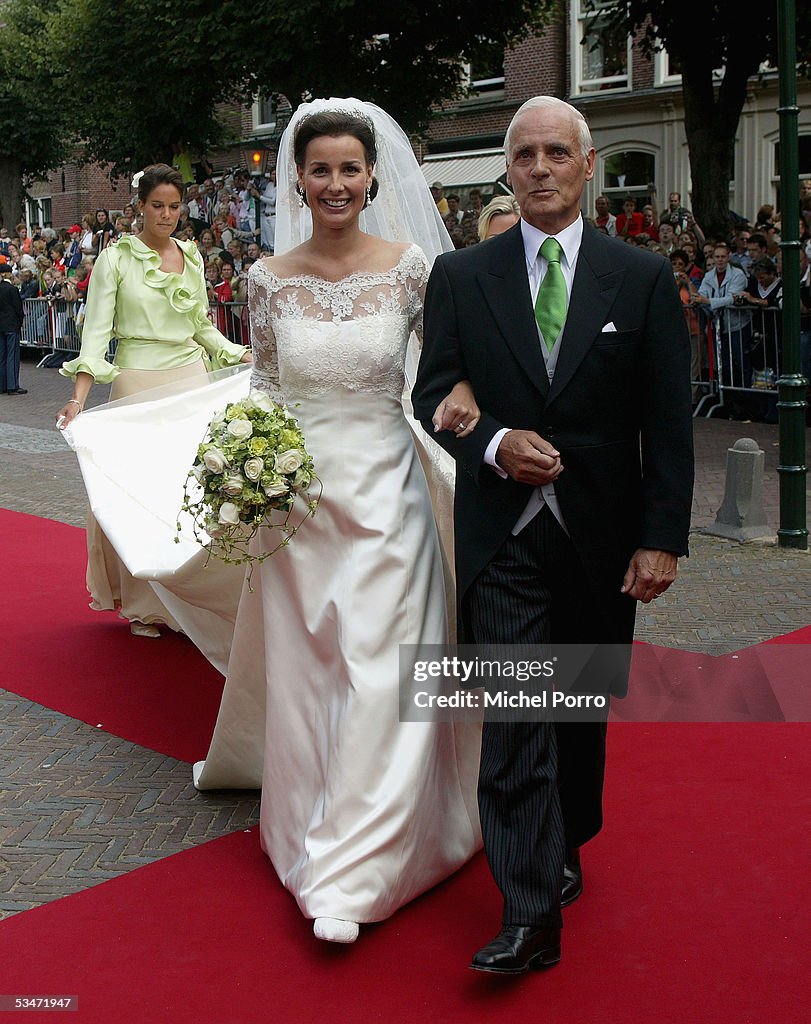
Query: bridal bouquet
x=252, y=462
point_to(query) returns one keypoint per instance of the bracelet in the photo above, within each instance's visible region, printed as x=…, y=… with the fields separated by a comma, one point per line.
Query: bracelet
x=76, y=402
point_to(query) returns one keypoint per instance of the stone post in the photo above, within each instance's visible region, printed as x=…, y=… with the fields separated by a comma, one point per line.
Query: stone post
x=741, y=516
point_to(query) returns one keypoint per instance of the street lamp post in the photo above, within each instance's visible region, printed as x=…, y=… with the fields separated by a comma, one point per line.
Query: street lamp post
x=255, y=157
x=792, y=470
x=257, y=153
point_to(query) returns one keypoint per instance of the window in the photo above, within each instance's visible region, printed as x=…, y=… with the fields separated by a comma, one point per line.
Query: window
x=39, y=212
x=667, y=69
x=601, y=52
x=803, y=156
x=264, y=111
x=628, y=173
x=803, y=163
x=487, y=75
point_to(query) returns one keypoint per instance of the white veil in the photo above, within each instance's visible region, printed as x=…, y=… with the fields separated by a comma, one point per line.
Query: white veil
x=403, y=210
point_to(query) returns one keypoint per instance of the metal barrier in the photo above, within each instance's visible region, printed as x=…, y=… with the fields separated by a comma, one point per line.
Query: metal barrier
x=231, y=319
x=735, y=357
x=55, y=324
x=703, y=382
x=50, y=323
x=744, y=355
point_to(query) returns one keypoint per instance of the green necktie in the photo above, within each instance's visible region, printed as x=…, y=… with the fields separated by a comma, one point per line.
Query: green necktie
x=550, y=306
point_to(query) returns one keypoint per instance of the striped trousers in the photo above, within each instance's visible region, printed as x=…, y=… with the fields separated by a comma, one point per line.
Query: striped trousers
x=540, y=785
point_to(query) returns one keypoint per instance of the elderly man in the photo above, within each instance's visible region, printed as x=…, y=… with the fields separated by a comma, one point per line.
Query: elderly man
x=573, y=489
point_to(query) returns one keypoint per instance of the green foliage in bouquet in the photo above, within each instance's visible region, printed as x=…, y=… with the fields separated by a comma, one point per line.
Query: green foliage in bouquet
x=252, y=462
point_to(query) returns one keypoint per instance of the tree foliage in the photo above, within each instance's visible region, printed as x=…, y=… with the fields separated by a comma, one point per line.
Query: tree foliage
x=703, y=38
x=407, y=57
x=122, y=84
x=32, y=121
x=149, y=74
x=141, y=79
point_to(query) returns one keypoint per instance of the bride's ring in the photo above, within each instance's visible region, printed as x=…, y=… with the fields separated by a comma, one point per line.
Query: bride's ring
x=460, y=426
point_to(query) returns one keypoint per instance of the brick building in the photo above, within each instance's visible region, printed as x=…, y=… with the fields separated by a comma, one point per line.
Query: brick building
x=635, y=112
x=633, y=105
x=70, y=192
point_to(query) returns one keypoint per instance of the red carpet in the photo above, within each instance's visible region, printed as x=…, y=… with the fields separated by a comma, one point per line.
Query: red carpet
x=697, y=907
x=161, y=694
x=799, y=636
x=697, y=911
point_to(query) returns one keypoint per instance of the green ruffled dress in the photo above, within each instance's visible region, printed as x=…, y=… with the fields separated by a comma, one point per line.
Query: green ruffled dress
x=160, y=320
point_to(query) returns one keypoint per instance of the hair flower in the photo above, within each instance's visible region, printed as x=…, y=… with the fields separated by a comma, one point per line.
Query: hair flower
x=136, y=178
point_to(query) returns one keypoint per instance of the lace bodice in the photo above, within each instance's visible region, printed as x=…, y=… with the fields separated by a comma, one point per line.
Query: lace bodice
x=310, y=335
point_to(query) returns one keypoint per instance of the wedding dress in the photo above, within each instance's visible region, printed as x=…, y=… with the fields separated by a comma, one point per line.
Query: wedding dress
x=360, y=813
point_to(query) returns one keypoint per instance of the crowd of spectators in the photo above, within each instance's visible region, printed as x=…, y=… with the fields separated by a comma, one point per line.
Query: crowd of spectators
x=231, y=219
x=731, y=282
x=728, y=282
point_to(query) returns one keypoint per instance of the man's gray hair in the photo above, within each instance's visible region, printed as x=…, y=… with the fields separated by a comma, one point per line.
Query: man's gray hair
x=551, y=101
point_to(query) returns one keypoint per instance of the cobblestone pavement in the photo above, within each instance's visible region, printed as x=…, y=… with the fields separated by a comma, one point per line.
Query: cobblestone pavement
x=105, y=806
x=80, y=806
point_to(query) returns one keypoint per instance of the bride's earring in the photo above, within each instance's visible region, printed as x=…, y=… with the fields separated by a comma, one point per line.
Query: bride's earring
x=300, y=194
x=368, y=196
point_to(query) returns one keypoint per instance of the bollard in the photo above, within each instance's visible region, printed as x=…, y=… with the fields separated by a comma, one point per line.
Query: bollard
x=741, y=516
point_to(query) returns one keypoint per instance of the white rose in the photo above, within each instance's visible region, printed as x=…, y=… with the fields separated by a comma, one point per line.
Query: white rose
x=214, y=530
x=301, y=480
x=229, y=514
x=262, y=401
x=215, y=460
x=233, y=485
x=240, y=429
x=276, y=488
x=199, y=473
x=289, y=461
x=218, y=420
x=253, y=468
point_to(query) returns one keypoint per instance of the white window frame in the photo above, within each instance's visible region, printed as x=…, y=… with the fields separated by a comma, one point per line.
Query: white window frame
x=589, y=87
x=36, y=203
x=664, y=77
x=256, y=109
x=483, y=86
x=613, y=191
x=661, y=70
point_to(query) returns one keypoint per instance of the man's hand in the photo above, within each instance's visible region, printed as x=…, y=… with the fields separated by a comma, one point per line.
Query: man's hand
x=649, y=574
x=528, y=458
x=458, y=411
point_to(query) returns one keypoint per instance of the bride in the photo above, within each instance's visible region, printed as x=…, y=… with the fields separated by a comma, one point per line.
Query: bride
x=360, y=813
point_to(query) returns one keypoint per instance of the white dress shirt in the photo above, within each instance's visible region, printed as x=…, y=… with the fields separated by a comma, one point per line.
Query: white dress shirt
x=569, y=240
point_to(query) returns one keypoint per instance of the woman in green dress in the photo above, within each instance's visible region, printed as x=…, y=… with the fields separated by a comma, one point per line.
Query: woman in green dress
x=148, y=291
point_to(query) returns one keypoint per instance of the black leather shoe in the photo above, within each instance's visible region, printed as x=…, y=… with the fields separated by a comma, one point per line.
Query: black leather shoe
x=572, y=877
x=17, y=391
x=517, y=948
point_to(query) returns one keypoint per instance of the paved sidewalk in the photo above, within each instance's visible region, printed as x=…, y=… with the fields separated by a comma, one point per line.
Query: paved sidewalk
x=727, y=595
x=85, y=806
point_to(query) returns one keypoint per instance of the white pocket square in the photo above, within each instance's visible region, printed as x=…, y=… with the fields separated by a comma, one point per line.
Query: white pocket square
x=609, y=327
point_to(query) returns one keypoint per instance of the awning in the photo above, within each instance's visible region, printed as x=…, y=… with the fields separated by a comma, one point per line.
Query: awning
x=482, y=167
